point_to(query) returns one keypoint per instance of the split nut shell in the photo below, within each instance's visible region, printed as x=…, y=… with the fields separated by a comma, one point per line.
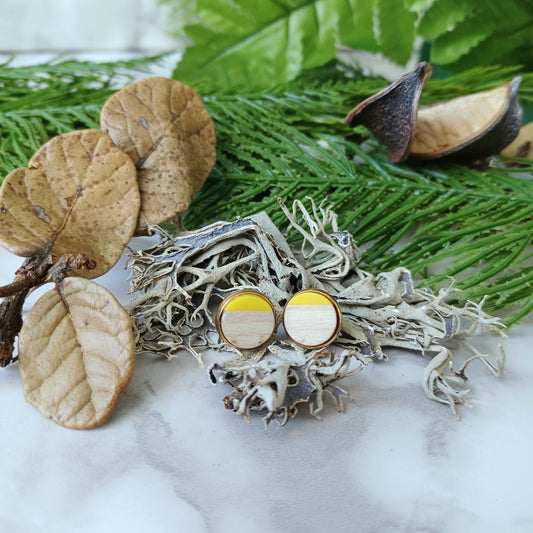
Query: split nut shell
x=466, y=128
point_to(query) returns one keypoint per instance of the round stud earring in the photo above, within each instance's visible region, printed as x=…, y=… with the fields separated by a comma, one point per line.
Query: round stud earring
x=312, y=318
x=246, y=319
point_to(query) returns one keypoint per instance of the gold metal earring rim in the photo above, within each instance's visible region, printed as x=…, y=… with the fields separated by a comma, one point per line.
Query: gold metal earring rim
x=338, y=314
x=224, y=303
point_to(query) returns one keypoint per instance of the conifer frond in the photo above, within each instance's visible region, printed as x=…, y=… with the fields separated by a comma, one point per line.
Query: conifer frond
x=40, y=101
x=70, y=73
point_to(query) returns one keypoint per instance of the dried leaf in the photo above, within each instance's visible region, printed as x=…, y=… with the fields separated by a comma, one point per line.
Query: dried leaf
x=76, y=353
x=165, y=128
x=79, y=194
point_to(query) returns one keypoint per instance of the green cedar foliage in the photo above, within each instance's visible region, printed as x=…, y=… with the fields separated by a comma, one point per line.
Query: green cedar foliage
x=40, y=101
x=438, y=219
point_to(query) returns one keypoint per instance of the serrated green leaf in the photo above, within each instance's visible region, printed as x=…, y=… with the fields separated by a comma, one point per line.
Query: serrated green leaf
x=258, y=42
x=450, y=46
x=417, y=5
x=500, y=48
x=442, y=16
x=240, y=18
x=396, y=30
x=318, y=45
x=486, y=26
x=240, y=42
x=356, y=25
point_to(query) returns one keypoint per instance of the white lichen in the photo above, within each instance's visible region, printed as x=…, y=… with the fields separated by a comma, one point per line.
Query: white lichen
x=177, y=285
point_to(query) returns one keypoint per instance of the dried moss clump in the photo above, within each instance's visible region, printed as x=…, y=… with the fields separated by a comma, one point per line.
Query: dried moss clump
x=178, y=284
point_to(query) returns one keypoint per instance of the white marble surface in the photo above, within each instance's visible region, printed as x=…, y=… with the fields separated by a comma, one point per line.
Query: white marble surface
x=171, y=458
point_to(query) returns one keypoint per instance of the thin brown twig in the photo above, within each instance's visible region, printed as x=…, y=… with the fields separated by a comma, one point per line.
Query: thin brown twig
x=35, y=271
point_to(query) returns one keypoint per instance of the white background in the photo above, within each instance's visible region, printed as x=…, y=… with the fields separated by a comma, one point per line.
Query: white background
x=84, y=26
x=172, y=459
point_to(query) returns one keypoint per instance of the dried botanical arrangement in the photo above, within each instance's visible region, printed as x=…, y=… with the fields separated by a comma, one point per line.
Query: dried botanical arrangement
x=178, y=283
x=291, y=142
x=466, y=128
x=75, y=207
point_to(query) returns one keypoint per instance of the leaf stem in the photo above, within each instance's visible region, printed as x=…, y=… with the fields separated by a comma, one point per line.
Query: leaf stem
x=35, y=271
x=11, y=320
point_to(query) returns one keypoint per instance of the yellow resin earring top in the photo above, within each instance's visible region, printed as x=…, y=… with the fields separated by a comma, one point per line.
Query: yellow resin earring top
x=312, y=318
x=246, y=319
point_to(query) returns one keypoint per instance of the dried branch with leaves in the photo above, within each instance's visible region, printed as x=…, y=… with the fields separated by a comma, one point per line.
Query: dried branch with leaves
x=74, y=208
x=178, y=283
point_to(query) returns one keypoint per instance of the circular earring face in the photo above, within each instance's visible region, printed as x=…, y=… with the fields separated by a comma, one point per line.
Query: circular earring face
x=312, y=318
x=246, y=319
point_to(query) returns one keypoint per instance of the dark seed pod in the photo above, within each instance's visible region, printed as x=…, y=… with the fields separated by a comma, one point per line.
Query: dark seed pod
x=522, y=146
x=391, y=114
x=466, y=128
x=469, y=127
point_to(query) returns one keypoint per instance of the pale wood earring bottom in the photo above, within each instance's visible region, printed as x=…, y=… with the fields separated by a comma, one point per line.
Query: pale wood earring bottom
x=247, y=329
x=311, y=325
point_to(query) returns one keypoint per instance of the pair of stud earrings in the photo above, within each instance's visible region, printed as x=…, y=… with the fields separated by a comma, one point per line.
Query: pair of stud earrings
x=246, y=319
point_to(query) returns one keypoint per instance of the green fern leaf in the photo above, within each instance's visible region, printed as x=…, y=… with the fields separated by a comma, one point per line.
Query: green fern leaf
x=417, y=5
x=475, y=26
x=396, y=30
x=257, y=42
x=356, y=25
x=452, y=45
x=264, y=43
x=443, y=15
x=504, y=47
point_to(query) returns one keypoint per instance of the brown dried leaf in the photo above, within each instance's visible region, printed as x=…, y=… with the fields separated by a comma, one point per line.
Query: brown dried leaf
x=165, y=128
x=76, y=353
x=79, y=194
